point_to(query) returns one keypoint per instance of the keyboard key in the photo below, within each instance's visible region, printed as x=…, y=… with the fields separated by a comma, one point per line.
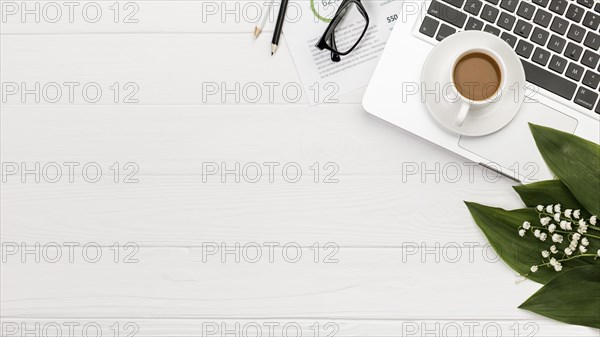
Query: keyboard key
x=523, y=28
x=492, y=29
x=495, y=2
x=473, y=6
x=576, y=33
x=592, y=40
x=429, y=26
x=574, y=71
x=597, y=7
x=540, y=36
x=489, y=13
x=591, y=20
x=558, y=6
x=526, y=10
x=559, y=25
x=506, y=21
x=474, y=24
x=542, y=18
x=524, y=48
x=590, y=59
x=444, y=32
x=549, y=81
x=509, y=38
x=598, y=108
x=591, y=79
x=455, y=3
x=575, y=13
x=541, y=56
x=586, y=3
x=586, y=98
x=509, y=5
x=573, y=51
x=557, y=43
x=558, y=64
x=542, y=3
x=447, y=13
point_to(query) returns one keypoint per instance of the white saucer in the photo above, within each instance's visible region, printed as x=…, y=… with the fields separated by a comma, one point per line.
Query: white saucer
x=491, y=118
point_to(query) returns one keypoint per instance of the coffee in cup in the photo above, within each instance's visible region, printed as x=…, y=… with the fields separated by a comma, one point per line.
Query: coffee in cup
x=477, y=78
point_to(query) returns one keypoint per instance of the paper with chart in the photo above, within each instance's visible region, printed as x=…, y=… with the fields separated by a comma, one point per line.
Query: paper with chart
x=322, y=79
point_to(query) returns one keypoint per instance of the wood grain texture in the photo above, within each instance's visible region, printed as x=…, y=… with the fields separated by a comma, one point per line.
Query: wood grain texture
x=377, y=199
x=377, y=283
x=166, y=69
x=274, y=327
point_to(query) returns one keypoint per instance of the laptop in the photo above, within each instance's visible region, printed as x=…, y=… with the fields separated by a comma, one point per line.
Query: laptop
x=558, y=44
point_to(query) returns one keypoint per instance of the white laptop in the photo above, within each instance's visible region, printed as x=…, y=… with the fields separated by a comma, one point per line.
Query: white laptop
x=562, y=65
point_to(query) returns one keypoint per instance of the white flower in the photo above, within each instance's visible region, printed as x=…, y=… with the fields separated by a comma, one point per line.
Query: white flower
x=593, y=220
x=583, y=227
x=568, y=225
x=582, y=249
x=549, y=209
x=598, y=252
x=545, y=253
x=543, y=237
x=568, y=213
x=557, y=208
x=534, y=269
x=552, y=228
x=585, y=242
x=557, y=238
x=553, y=262
x=573, y=245
x=563, y=225
x=536, y=233
x=557, y=217
x=558, y=266
x=540, y=208
x=522, y=232
x=526, y=225
x=545, y=221
x=576, y=214
x=581, y=222
x=553, y=249
x=576, y=237
x=568, y=251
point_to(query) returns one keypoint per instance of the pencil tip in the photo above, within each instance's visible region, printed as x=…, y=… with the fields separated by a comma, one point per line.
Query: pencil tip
x=273, y=48
x=256, y=32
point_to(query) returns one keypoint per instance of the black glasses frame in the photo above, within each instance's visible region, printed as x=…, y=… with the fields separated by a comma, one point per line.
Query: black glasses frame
x=329, y=35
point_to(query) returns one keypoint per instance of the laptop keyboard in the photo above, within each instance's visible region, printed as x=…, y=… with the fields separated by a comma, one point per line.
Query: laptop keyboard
x=557, y=40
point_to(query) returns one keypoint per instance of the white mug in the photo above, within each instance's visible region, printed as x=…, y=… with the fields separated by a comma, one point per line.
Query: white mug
x=466, y=104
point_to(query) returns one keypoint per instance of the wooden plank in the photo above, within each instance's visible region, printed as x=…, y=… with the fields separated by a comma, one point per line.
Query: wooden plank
x=293, y=327
x=379, y=198
x=148, y=16
x=143, y=17
x=160, y=69
x=374, y=283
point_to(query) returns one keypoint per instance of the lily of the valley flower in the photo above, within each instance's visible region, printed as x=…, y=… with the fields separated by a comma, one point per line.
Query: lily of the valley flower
x=567, y=243
x=545, y=253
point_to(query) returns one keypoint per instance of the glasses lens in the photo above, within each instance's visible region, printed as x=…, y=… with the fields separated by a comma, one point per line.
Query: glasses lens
x=348, y=27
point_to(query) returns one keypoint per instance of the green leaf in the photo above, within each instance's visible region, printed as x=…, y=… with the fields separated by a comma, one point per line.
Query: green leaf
x=572, y=297
x=548, y=192
x=574, y=160
x=501, y=228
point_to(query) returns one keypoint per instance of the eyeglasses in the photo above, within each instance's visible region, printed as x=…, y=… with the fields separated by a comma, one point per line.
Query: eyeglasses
x=345, y=30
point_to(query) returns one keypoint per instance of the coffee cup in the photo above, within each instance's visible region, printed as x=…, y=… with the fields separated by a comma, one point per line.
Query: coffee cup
x=477, y=78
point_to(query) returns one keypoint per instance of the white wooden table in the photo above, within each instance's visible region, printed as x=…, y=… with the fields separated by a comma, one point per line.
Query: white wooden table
x=382, y=252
